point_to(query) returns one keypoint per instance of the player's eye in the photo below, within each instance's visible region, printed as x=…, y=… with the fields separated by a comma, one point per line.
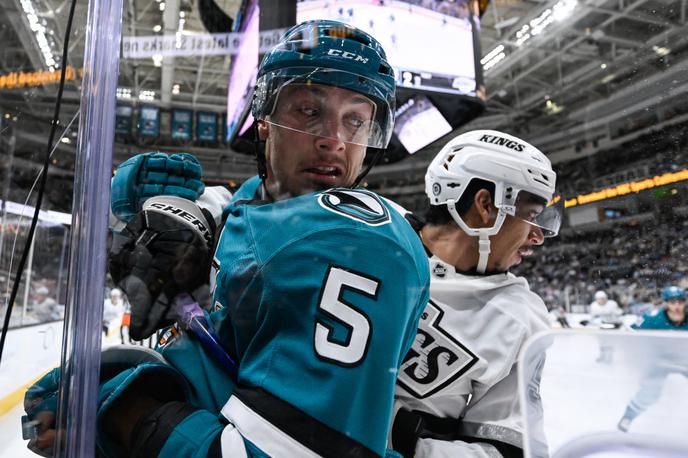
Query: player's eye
x=308, y=111
x=355, y=121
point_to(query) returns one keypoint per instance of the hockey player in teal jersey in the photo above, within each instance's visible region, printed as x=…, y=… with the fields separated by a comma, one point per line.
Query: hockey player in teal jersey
x=670, y=317
x=319, y=286
x=350, y=317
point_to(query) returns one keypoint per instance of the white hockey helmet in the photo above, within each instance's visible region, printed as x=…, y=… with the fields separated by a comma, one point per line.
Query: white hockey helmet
x=519, y=171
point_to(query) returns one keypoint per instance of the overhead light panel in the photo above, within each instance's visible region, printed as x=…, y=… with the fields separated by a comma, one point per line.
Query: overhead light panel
x=157, y=28
x=147, y=96
x=493, y=57
x=536, y=26
x=504, y=23
x=661, y=50
x=552, y=108
x=560, y=11
x=123, y=93
x=40, y=31
x=563, y=9
x=608, y=78
x=180, y=32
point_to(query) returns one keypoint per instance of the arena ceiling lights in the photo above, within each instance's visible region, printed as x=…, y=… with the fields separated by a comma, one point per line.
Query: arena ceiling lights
x=536, y=26
x=41, y=33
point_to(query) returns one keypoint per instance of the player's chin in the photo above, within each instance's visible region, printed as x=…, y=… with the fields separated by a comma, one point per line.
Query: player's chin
x=320, y=182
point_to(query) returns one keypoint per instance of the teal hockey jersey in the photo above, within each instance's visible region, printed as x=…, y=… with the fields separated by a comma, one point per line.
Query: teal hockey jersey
x=658, y=319
x=319, y=298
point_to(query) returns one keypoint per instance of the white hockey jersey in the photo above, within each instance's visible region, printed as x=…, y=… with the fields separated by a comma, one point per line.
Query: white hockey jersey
x=609, y=312
x=463, y=361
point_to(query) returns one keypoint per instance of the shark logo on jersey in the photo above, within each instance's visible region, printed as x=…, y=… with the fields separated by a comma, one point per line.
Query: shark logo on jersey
x=435, y=359
x=363, y=206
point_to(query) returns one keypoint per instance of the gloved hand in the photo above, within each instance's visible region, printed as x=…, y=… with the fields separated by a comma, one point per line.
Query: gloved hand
x=121, y=368
x=165, y=250
x=152, y=174
x=40, y=405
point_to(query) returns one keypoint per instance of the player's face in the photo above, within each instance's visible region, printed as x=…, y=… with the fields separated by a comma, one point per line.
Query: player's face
x=676, y=307
x=513, y=242
x=315, y=139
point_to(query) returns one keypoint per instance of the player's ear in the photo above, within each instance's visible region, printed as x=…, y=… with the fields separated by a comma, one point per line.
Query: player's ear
x=263, y=130
x=482, y=201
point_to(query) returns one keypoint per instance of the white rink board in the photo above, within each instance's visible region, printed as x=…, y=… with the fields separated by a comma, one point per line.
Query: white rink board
x=29, y=352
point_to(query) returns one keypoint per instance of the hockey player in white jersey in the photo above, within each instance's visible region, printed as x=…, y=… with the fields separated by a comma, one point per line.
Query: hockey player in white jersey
x=604, y=310
x=490, y=204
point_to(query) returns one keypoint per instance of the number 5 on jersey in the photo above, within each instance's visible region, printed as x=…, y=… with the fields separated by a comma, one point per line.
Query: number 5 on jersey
x=351, y=350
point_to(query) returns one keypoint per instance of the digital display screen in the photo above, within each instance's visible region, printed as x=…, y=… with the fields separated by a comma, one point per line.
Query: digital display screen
x=430, y=48
x=419, y=123
x=242, y=75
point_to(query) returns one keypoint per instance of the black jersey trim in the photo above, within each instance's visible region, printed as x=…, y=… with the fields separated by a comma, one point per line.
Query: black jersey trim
x=303, y=428
x=152, y=431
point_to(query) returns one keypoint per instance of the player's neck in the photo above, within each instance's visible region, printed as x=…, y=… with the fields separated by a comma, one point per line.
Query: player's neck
x=451, y=245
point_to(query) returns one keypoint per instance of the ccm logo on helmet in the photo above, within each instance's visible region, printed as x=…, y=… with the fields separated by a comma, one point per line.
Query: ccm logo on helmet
x=347, y=55
x=502, y=142
x=183, y=214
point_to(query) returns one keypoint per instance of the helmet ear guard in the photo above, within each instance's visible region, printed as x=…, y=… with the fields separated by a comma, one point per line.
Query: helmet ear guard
x=512, y=165
x=261, y=160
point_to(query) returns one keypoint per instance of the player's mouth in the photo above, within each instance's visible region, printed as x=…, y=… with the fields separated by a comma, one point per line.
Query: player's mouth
x=525, y=251
x=324, y=173
x=522, y=253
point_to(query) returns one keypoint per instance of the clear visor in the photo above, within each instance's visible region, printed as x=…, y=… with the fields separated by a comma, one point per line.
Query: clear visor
x=535, y=210
x=328, y=110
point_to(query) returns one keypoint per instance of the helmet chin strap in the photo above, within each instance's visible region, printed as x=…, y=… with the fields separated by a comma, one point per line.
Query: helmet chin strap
x=483, y=252
x=482, y=233
x=378, y=153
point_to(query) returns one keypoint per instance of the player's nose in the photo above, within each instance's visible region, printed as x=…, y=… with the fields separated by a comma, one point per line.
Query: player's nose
x=536, y=237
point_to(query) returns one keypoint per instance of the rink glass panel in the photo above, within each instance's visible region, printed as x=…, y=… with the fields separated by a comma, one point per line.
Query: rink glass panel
x=28, y=89
x=27, y=94
x=152, y=113
x=577, y=386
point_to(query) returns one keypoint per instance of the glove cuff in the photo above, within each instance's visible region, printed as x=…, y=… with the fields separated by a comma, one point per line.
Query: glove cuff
x=155, y=380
